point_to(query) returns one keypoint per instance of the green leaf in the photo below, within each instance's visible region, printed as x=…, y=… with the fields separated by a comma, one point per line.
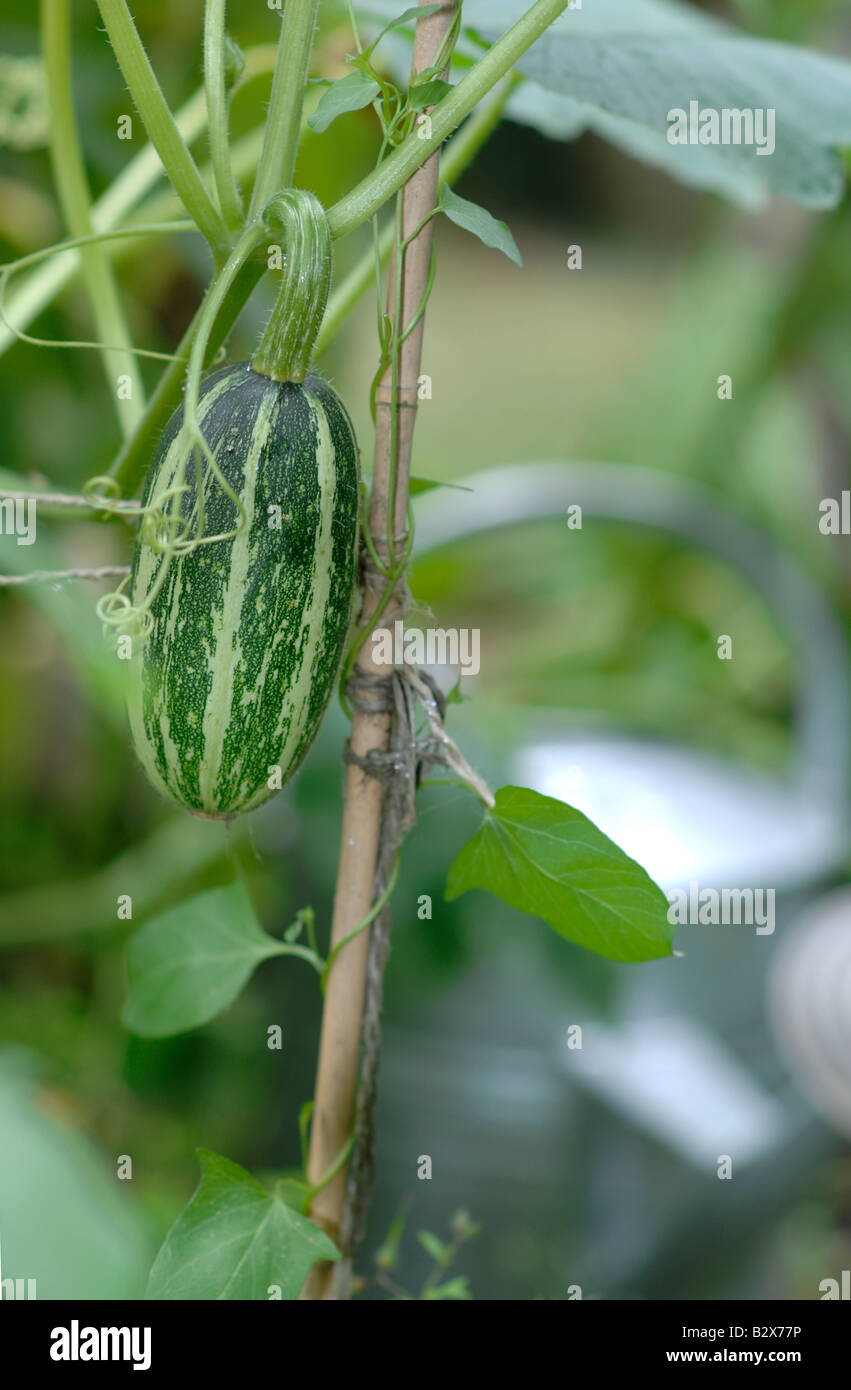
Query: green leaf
x=545, y=858
x=696, y=166
x=349, y=93
x=478, y=221
x=190, y=963
x=434, y=1247
x=418, y=485
x=456, y=695
x=453, y=1288
x=234, y=1240
x=428, y=94
x=620, y=66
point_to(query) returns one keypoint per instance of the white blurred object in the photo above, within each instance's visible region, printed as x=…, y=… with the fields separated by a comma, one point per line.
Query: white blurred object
x=810, y=1004
x=672, y=1077
x=684, y=815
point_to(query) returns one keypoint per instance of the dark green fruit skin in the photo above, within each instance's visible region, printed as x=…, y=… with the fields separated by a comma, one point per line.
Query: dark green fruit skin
x=248, y=632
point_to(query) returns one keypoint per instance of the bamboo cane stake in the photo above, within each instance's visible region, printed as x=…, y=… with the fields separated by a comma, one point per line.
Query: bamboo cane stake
x=339, y=1050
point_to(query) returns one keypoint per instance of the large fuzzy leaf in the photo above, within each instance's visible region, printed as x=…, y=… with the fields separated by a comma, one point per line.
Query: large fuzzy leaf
x=617, y=67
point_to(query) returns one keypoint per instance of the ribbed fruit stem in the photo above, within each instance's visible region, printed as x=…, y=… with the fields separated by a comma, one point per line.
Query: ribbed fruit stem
x=298, y=218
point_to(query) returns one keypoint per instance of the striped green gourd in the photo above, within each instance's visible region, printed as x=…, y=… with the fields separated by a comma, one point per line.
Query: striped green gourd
x=248, y=632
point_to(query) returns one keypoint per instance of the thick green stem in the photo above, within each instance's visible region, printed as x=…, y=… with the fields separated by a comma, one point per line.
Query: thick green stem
x=283, y=121
x=287, y=345
x=72, y=190
x=372, y=192
x=160, y=124
x=217, y=113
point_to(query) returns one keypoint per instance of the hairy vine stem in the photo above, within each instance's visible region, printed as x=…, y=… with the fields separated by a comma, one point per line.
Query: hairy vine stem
x=160, y=124
x=283, y=122
x=217, y=113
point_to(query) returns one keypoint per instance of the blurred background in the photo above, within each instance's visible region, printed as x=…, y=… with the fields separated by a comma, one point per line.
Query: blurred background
x=600, y=682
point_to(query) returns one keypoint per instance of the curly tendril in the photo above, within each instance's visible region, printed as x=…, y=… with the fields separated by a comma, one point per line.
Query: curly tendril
x=164, y=530
x=116, y=611
x=11, y=268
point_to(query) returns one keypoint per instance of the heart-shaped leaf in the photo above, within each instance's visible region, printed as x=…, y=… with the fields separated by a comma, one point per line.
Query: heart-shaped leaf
x=545, y=858
x=189, y=963
x=235, y=1240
